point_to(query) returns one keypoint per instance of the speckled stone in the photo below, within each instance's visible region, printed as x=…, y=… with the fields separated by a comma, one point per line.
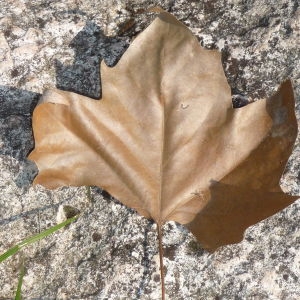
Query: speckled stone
x=110, y=252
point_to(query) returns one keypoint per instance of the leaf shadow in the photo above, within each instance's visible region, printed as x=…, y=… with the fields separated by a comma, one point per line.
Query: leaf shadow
x=16, y=140
x=16, y=107
x=90, y=47
x=82, y=76
x=231, y=210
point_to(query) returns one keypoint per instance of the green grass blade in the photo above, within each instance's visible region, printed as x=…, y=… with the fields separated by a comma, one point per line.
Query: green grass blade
x=35, y=238
x=20, y=282
x=9, y=252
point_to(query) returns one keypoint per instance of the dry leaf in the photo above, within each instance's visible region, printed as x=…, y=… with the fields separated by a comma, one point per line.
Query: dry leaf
x=166, y=141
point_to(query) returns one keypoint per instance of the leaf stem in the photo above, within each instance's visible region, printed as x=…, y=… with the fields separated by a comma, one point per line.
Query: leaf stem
x=161, y=261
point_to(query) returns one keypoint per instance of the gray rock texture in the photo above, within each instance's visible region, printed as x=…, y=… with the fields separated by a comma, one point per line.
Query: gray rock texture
x=110, y=252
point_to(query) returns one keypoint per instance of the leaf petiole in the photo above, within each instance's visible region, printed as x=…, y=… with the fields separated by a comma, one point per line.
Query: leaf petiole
x=161, y=261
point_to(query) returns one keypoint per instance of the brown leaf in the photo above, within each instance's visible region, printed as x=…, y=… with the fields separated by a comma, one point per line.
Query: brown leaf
x=166, y=141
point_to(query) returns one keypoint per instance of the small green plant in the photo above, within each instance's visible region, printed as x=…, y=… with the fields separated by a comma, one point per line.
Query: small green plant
x=20, y=281
x=13, y=250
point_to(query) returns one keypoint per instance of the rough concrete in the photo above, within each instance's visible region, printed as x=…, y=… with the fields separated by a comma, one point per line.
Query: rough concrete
x=111, y=252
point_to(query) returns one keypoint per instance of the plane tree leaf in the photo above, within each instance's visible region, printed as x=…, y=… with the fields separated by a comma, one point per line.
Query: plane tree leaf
x=166, y=141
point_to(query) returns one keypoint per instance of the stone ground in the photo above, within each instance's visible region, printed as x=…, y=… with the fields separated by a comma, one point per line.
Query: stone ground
x=111, y=252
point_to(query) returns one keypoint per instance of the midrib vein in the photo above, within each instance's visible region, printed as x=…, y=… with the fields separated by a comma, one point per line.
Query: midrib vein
x=162, y=145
